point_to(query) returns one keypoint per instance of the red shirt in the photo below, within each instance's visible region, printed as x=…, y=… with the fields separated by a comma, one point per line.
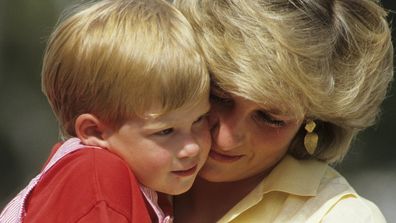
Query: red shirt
x=88, y=185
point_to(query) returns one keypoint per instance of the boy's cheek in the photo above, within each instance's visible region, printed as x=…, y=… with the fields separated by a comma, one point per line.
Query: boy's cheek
x=161, y=159
x=205, y=141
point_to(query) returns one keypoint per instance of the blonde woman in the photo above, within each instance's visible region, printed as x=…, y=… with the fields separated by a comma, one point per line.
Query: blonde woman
x=294, y=82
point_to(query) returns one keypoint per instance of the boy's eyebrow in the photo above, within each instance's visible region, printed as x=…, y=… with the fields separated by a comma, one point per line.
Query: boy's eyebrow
x=157, y=123
x=162, y=122
x=155, y=126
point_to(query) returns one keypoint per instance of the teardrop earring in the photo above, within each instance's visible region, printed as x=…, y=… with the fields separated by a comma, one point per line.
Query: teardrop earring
x=311, y=138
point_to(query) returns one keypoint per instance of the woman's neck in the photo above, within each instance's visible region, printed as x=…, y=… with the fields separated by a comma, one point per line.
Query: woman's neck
x=209, y=201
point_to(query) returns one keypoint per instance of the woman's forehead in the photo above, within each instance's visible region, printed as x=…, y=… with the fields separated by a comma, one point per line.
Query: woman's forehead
x=267, y=103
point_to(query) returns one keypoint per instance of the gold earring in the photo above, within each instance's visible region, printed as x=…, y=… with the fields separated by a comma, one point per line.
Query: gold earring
x=311, y=138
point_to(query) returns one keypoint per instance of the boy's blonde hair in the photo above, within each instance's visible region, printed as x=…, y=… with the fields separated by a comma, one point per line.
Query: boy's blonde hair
x=328, y=60
x=118, y=58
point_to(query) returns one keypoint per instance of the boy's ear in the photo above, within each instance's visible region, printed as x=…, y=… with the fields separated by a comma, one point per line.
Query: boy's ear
x=91, y=131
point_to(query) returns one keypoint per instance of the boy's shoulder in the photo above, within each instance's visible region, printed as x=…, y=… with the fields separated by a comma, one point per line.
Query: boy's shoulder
x=91, y=163
x=95, y=161
x=84, y=178
x=99, y=169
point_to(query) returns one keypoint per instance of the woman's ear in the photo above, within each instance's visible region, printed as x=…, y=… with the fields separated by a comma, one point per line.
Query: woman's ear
x=91, y=131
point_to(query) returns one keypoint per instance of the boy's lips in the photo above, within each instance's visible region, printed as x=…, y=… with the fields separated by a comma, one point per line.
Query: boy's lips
x=223, y=158
x=186, y=172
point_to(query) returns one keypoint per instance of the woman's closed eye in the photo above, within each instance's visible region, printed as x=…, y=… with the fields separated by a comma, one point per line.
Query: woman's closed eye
x=201, y=118
x=262, y=117
x=220, y=99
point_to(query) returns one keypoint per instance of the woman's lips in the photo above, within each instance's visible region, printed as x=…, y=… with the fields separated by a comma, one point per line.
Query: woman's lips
x=185, y=173
x=223, y=158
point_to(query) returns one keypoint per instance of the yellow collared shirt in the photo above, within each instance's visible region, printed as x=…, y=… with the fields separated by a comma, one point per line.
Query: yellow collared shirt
x=303, y=191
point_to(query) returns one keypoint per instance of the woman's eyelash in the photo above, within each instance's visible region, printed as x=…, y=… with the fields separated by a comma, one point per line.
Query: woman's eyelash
x=202, y=117
x=263, y=116
x=219, y=99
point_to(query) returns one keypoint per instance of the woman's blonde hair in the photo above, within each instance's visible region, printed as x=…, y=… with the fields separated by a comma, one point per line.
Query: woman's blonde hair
x=119, y=58
x=328, y=60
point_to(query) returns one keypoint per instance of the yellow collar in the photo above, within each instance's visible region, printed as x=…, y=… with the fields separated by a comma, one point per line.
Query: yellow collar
x=292, y=176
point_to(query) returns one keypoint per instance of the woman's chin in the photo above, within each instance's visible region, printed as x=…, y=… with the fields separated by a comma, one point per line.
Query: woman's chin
x=216, y=175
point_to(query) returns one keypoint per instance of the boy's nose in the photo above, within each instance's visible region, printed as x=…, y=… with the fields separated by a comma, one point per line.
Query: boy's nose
x=190, y=149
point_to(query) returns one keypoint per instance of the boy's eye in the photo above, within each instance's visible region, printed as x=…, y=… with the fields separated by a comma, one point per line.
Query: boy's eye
x=264, y=117
x=164, y=132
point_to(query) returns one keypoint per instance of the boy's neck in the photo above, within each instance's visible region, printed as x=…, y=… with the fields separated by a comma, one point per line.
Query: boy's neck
x=209, y=201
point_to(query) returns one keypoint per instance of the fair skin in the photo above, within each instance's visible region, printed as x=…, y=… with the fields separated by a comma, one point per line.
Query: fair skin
x=248, y=140
x=164, y=152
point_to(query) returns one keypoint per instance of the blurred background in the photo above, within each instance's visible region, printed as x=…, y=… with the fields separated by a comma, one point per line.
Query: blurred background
x=28, y=129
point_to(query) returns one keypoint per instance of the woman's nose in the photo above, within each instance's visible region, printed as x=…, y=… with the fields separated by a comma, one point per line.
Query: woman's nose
x=227, y=132
x=213, y=119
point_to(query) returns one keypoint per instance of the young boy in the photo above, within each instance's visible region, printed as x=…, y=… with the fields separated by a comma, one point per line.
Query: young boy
x=128, y=84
